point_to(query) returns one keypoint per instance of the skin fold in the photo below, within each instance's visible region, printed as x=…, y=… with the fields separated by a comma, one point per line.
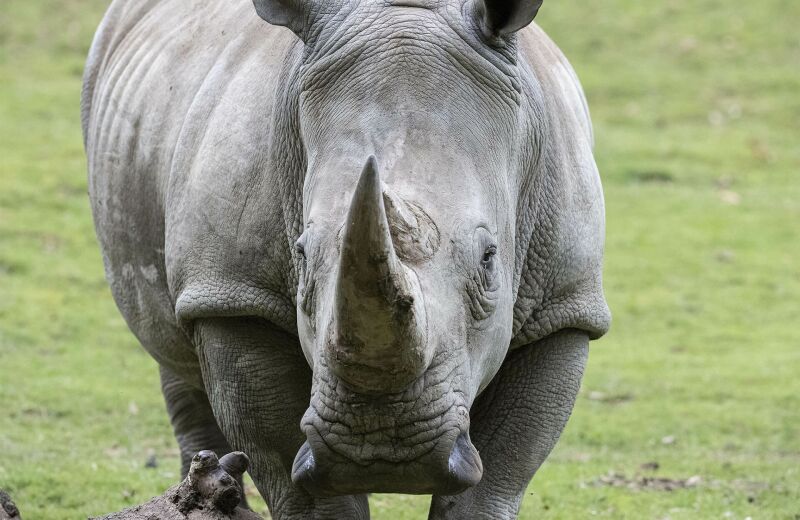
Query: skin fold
x=362, y=239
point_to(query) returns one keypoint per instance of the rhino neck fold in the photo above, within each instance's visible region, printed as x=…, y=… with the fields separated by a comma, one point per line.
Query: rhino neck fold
x=378, y=342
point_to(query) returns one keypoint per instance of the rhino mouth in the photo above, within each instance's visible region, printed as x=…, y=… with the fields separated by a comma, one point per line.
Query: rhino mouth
x=414, y=442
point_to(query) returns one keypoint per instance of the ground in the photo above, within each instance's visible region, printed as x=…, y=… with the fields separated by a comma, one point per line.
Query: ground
x=691, y=404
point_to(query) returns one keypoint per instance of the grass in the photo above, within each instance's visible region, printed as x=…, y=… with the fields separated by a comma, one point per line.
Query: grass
x=696, y=106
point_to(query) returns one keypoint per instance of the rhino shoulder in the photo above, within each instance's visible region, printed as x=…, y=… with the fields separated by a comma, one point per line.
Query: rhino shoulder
x=562, y=222
x=561, y=88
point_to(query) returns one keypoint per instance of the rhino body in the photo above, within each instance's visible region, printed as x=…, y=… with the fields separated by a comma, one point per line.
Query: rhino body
x=362, y=241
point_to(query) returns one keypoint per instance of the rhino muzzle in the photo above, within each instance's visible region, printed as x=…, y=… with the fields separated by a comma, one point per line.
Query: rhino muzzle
x=324, y=473
x=415, y=441
x=377, y=340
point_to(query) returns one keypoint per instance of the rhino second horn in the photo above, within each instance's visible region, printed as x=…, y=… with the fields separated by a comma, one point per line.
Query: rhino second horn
x=415, y=236
x=379, y=331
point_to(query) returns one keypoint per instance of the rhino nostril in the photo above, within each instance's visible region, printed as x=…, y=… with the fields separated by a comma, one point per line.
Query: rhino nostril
x=465, y=466
x=305, y=471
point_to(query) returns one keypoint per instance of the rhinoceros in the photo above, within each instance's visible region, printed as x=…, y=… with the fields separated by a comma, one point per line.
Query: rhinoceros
x=363, y=239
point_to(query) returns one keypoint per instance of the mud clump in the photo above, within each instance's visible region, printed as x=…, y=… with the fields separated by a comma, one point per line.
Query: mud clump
x=210, y=491
x=8, y=510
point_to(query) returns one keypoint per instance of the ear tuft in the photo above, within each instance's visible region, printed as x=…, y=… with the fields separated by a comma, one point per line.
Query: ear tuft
x=286, y=13
x=505, y=17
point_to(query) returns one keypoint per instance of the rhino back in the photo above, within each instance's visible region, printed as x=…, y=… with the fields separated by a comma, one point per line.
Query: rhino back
x=177, y=104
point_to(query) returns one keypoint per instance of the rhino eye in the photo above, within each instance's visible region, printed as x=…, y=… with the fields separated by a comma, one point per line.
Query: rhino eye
x=306, y=283
x=300, y=247
x=488, y=256
x=482, y=287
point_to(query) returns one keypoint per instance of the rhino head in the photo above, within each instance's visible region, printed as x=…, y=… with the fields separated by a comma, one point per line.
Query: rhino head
x=410, y=114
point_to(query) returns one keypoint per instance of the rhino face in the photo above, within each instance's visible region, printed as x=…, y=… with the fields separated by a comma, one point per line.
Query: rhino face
x=409, y=116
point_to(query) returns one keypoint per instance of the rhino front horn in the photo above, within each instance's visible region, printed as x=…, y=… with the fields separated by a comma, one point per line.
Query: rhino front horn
x=378, y=344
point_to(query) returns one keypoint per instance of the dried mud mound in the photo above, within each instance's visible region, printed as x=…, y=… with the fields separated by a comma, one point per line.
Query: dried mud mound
x=8, y=510
x=210, y=492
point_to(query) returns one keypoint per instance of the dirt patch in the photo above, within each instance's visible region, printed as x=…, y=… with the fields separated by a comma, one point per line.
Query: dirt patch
x=646, y=483
x=609, y=398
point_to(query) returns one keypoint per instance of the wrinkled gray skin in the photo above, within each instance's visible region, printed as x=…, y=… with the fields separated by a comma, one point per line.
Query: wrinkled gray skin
x=365, y=248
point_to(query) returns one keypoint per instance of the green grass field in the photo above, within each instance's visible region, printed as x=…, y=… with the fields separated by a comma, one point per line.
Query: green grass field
x=696, y=105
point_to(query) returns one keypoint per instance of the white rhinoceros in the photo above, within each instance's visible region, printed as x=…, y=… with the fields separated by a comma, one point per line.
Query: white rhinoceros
x=364, y=247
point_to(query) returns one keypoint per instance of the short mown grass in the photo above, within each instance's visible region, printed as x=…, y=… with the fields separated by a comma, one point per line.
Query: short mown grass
x=696, y=105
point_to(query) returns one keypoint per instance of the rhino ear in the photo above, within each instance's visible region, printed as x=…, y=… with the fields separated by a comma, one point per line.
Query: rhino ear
x=504, y=17
x=287, y=13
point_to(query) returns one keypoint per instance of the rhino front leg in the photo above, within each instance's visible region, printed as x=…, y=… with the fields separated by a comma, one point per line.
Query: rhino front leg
x=192, y=419
x=516, y=422
x=193, y=422
x=259, y=383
